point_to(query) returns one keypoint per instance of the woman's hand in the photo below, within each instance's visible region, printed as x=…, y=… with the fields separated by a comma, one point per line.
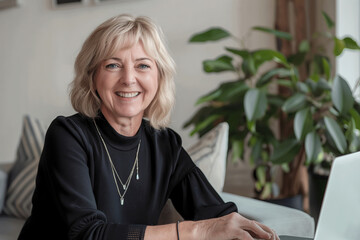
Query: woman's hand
x=229, y=227
x=232, y=226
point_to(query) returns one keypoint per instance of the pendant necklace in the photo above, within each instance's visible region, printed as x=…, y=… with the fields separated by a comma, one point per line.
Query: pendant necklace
x=115, y=174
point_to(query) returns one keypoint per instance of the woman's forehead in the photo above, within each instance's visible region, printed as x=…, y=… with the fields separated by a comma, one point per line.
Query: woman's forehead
x=136, y=47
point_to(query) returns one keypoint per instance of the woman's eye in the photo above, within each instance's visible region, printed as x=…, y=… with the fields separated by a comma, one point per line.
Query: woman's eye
x=112, y=66
x=143, y=66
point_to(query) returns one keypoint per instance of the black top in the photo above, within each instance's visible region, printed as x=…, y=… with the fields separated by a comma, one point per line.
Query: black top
x=76, y=196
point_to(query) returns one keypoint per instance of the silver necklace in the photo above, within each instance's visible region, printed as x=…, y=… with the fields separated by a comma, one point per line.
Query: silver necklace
x=114, y=172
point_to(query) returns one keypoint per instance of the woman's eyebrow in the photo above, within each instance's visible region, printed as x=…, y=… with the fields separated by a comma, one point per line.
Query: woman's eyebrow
x=114, y=58
x=138, y=59
x=144, y=58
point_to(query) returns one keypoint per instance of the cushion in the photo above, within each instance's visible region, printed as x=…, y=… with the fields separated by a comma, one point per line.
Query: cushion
x=209, y=153
x=21, y=181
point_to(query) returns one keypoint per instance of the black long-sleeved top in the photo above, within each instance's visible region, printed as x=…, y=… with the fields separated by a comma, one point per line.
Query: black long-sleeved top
x=76, y=196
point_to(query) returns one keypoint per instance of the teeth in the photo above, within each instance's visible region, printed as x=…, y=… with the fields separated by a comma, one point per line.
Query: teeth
x=127, y=95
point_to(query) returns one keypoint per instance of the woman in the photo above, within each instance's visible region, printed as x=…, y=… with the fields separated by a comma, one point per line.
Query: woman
x=106, y=172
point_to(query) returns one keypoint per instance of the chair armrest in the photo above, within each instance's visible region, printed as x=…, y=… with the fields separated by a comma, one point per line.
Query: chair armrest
x=284, y=220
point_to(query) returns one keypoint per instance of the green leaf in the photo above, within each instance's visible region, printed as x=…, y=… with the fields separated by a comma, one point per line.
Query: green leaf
x=264, y=55
x=248, y=66
x=251, y=125
x=322, y=85
x=266, y=192
x=256, y=151
x=202, y=125
x=266, y=77
x=237, y=147
x=318, y=88
x=356, y=116
x=326, y=67
x=242, y=53
x=336, y=134
x=297, y=58
x=213, y=34
x=255, y=104
x=221, y=64
x=303, y=87
x=353, y=137
x=313, y=148
x=285, y=167
x=261, y=174
x=304, y=46
x=311, y=83
x=225, y=92
x=350, y=128
x=329, y=21
x=319, y=66
x=210, y=96
x=303, y=123
x=341, y=95
x=279, y=34
x=354, y=143
x=202, y=113
x=294, y=103
x=338, y=46
x=284, y=82
x=285, y=152
x=351, y=43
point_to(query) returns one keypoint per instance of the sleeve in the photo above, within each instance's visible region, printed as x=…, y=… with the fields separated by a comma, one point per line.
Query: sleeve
x=193, y=196
x=65, y=166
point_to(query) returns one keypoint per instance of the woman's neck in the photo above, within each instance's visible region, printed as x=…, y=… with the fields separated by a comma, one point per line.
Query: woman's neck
x=125, y=126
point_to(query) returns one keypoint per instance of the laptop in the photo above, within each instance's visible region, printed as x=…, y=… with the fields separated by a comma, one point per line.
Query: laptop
x=339, y=217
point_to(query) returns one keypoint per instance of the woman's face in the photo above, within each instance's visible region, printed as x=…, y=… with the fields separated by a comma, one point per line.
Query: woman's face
x=126, y=83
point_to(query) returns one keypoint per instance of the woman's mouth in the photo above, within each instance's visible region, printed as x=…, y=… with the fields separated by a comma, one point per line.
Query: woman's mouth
x=127, y=94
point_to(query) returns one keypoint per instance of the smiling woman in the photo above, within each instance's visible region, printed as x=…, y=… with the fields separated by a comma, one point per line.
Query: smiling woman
x=126, y=84
x=107, y=171
x=143, y=38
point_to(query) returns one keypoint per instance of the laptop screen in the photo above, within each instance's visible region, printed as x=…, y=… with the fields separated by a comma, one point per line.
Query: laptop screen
x=340, y=212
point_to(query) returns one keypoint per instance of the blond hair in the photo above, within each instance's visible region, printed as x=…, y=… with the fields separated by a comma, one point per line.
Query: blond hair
x=120, y=32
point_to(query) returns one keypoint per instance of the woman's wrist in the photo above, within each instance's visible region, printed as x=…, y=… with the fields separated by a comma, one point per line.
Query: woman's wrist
x=188, y=230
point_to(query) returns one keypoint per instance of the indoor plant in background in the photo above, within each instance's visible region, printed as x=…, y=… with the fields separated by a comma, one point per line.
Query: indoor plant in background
x=321, y=114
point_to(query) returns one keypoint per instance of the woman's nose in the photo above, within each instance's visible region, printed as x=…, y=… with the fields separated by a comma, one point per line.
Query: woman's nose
x=128, y=76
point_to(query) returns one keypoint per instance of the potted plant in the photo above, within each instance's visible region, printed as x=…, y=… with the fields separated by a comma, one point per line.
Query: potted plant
x=321, y=114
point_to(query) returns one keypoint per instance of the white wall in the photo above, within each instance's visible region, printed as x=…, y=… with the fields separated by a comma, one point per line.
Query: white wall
x=38, y=45
x=348, y=24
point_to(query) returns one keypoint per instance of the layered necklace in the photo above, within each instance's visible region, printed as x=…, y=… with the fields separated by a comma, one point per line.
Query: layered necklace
x=125, y=185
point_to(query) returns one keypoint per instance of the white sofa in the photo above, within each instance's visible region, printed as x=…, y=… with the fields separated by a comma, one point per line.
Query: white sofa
x=209, y=153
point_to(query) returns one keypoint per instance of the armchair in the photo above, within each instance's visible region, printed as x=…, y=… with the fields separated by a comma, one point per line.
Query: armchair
x=209, y=153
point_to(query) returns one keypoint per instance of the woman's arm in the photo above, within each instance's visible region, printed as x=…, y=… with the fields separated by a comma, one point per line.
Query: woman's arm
x=196, y=200
x=228, y=227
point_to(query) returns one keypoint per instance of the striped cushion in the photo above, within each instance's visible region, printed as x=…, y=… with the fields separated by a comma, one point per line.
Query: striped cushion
x=209, y=153
x=21, y=182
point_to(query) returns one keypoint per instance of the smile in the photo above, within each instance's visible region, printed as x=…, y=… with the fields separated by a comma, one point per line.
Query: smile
x=127, y=94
